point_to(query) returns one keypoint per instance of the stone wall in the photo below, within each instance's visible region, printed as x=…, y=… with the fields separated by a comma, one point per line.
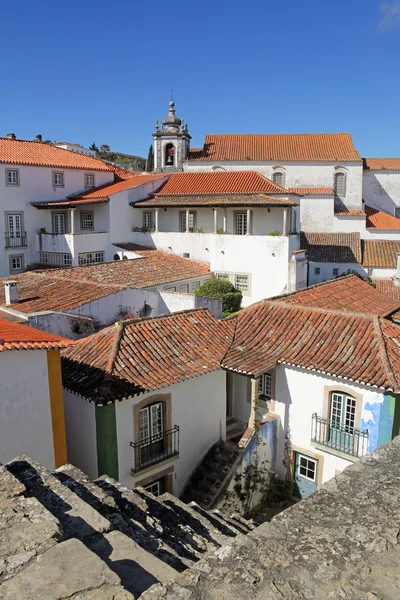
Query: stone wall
x=340, y=543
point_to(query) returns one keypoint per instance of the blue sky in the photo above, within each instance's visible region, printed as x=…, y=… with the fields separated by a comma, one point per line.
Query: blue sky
x=101, y=71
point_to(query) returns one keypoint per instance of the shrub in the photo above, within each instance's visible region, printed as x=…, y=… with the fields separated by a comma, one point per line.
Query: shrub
x=275, y=232
x=225, y=290
x=353, y=272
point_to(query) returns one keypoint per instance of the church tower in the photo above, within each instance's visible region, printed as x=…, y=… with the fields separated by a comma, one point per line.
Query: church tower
x=171, y=143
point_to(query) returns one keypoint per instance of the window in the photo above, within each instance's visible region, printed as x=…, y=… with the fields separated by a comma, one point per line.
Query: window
x=12, y=177
x=16, y=263
x=339, y=184
x=90, y=258
x=294, y=221
x=265, y=385
x=317, y=271
x=335, y=272
x=279, y=178
x=169, y=155
x=307, y=468
x=241, y=223
x=224, y=276
x=86, y=220
x=170, y=289
x=186, y=255
x=14, y=225
x=192, y=221
x=58, y=259
x=58, y=179
x=242, y=283
x=195, y=285
x=342, y=421
x=151, y=428
x=89, y=180
x=156, y=487
x=148, y=220
x=59, y=220
x=397, y=212
x=184, y=288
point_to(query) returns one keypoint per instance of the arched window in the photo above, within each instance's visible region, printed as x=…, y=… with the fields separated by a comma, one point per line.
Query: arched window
x=339, y=184
x=169, y=155
x=278, y=177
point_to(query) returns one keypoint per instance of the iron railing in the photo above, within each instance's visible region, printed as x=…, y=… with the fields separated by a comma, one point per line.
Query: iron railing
x=17, y=240
x=154, y=449
x=342, y=438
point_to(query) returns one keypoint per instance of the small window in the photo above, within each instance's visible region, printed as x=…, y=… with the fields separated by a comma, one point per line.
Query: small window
x=242, y=283
x=186, y=255
x=156, y=487
x=90, y=258
x=58, y=179
x=147, y=220
x=184, y=288
x=89, y=180
x=317, y=271
x=224, y=276
x=170, y=289
x=195, y=285
x=241, y=223
x=16, y=263
x=12, y=177
x=192, y=221
x=279, y=178
x=87, y=220
x=339, y=184
x=307, y=468
x=397, y=212
x=335, y=272
x=265, y=385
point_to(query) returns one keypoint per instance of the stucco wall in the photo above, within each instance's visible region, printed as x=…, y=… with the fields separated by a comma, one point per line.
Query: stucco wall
x=316, y=214
x=381, y=190
x=198, y=408
x=326, y=271
x=80, y=424
x=25, y=416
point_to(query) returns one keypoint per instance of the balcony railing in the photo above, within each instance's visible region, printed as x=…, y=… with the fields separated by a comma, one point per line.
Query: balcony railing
x=342, y=438
x=155, y=449
x=17, y=240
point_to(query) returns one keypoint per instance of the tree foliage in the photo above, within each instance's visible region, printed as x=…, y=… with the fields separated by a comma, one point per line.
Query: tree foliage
x=225, y=290
x=150, y=160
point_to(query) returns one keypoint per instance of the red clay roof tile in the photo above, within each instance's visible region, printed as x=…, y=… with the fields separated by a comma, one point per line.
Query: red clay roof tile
x=21, y=337
x=332, y=247
x=379, y=220
x=317, y=147
x=388, y=287
x=380, y=253
x=382, y=164
x=312, y=191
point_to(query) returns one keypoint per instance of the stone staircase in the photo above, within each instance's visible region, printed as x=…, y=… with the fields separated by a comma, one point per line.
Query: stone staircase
x=234, y=429
x=207, y=482
x=66, y=535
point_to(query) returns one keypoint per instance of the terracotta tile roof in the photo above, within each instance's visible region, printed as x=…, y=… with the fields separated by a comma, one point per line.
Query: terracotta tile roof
x=21, y=337
x=332, y=247
x=382, y=164
x=40, y=291
x=360, y=348
x=318, y=147
x=124, y=173
x=219, y=182
x=349, y=294
x=387, y=286
x=101, y=193
x=135, y=356
x=349, y=213
x=38, y=154
x=154, y=267
x=312, y=191
x=381, y=253
x=380, y=220
x=215, y=200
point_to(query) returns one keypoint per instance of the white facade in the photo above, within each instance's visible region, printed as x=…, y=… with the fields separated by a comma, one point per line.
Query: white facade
x=381, y=190
x=76, y=148
x=25, y=415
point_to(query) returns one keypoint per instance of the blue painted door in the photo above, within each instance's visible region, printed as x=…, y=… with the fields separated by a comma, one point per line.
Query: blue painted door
x=305, y=475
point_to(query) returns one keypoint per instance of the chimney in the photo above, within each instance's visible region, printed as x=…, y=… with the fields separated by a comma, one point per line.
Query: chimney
x=38, y=138
x=397, y=276
x=11, y=292
x=11, y=136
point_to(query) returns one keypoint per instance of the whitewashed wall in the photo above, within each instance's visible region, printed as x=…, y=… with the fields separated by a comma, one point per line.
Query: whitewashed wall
x=326, y=271
x=25, y=416
x=198, y=408
x=349, y=225
x=316, y=213
x=381, y=190
x=80, y=424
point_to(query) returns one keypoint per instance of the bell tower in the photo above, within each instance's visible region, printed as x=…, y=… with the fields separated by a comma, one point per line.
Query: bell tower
x=171, y=143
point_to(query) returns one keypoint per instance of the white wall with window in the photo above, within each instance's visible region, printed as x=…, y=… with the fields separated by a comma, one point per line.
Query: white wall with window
x=319, y=272
x=381, y=190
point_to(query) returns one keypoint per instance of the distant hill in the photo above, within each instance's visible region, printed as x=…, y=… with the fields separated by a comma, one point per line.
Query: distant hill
x=127, y=161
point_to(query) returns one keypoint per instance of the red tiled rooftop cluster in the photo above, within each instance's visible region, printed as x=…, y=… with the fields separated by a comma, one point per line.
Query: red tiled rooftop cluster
x=20, y=337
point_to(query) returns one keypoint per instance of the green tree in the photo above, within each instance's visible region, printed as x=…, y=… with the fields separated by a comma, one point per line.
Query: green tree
x=150, y=160
x=226, y=291
x=105, y=148
x=94, y=147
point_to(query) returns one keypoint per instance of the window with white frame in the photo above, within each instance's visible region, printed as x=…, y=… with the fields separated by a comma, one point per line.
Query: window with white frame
x=241, y=283
x=397, y=212
x=241, y=223
x=151, y=423
x=307, y=468
x=156, y=487
x=87, y=220
x=195, y=285
x=90, y=258
x=58, y=259
x=58, y=179
x=14, y=225
x=339, y=184
x=12, y=177
x=224, y=276
x=59, y=223
x=192, y=221
x=16, y=263
x=342, y=421
x=317, y=271
x=148, y=220
x=278, y=177
x=89, y=180
x=265, y=385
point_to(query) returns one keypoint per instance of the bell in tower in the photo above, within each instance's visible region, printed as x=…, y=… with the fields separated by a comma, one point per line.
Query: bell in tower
x=171, y=143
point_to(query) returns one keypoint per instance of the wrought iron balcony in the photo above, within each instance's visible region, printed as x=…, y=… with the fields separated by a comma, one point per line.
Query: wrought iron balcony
x=343, y=438
x=155, y=449
x=16, y=240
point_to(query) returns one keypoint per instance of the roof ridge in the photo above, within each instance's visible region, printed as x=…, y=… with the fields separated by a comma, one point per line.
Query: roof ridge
x=384, y=354
x=138, y=320
x=119, y=325
x=315, y=285
x=323, y=310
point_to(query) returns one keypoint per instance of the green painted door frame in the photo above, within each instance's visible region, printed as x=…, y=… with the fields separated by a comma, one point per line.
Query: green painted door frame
x=106, y=436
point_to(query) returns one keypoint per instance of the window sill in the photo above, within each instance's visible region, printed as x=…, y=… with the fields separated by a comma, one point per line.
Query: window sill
x=334, y=452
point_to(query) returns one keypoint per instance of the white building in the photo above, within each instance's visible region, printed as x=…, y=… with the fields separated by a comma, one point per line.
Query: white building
x=75, y=148
x=31, y=401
